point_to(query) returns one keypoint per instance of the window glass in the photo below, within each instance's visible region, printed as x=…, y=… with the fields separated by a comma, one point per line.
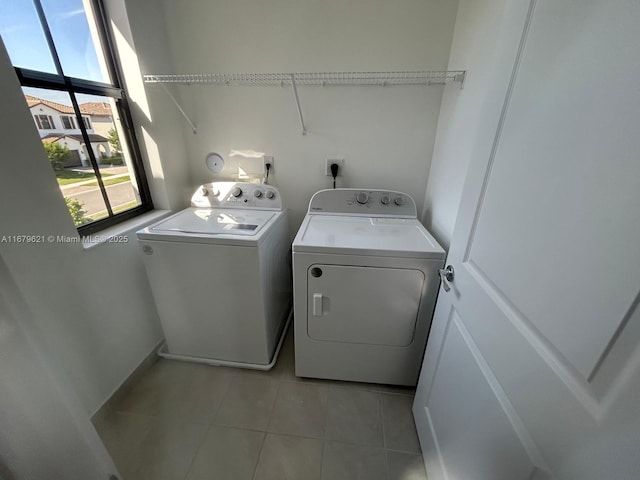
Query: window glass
x=95, y=159
x=77, y=45
x=68, y=155
x=23, y=36
x=68, y=123
x=112, y=155
x=44, y=122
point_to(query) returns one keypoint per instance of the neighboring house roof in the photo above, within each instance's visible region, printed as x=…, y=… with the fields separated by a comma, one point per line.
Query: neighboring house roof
x=96, y=108
x=33, y=101
x=88, y=108
x=52, y=137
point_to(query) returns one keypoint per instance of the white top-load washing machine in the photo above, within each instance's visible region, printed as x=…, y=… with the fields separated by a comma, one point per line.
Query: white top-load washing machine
x=220, y=275
x=365, y=282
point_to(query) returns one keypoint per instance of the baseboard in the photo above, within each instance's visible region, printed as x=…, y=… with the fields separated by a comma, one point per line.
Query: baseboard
x=125, y=387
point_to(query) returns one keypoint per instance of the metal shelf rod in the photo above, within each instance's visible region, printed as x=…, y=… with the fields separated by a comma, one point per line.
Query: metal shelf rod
x=295, y=94
x=175, y=102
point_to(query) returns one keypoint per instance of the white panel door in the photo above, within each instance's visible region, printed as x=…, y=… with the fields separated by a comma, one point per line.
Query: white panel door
x=532, y=369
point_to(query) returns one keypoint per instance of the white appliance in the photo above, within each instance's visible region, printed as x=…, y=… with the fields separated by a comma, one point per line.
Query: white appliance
x=220, y=275
x=365, y=282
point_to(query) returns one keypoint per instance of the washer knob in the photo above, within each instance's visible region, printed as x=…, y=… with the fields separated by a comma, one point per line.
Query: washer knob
x=362, y=198
x=257, y=193
x=385, y=199
x=399, y=201
x=215, y=192
x=236, y=192
x=270, y=194
x=203, y=191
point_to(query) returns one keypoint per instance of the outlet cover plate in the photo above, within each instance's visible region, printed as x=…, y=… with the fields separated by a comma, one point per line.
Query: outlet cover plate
x=329, y=161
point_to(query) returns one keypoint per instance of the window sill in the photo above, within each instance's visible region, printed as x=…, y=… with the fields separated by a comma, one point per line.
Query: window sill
x=123, y=232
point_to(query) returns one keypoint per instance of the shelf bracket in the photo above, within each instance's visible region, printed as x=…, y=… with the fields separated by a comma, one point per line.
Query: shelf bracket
x=295, y=94
x=459, y=77
x=175, y=102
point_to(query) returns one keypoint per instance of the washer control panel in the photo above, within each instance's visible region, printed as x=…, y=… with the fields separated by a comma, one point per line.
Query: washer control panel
x=353, y=201
x=237, y=195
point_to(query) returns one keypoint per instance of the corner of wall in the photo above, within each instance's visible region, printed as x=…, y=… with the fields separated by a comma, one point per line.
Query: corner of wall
x=142, y=48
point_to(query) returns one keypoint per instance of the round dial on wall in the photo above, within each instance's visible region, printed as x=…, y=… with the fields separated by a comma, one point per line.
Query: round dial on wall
x=215, y=162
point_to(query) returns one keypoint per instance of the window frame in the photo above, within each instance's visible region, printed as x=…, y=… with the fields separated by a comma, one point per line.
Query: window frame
x=73, y=86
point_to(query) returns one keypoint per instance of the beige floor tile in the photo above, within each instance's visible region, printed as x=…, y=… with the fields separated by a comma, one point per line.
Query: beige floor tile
x=122, y=434
x=167, y=450
x=399, y=427
x=179, y=389
x=145, y=397
x=160, y=429
x=353, y=462
x=406, y=466
x=289, y=458
x=227, y=454
x=300, y=409
x=248, y=402
x=353, y=416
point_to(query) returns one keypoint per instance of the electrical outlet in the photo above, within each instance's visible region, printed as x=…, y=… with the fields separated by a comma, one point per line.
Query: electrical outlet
x=269, y=159
x=329, y=161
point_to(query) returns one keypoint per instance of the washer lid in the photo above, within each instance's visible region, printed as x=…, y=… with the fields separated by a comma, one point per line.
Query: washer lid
x=214, y=221
x=397, y=237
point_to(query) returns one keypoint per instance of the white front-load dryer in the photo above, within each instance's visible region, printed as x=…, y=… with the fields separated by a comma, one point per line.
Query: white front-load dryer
x=365, y=281
x=220, y=275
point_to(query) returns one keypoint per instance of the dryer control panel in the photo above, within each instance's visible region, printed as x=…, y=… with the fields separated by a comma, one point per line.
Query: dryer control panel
x=355, y=201
x=237, y=195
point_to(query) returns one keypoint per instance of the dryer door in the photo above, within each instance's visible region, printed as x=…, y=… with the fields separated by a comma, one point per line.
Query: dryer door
x=370, y=305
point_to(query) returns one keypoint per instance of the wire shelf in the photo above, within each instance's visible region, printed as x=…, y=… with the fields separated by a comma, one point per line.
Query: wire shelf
x=294, y=80
x=312, y=79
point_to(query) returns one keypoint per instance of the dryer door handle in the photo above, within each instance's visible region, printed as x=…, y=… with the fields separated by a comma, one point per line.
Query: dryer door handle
x=317, y=304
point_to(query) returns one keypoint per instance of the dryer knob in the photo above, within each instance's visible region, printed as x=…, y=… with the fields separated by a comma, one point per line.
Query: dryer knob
x=203, y=191
x=215, y=192
x=258, y=193
x=271, y=194
x=385, y=199
x=399, y=201
x=236, y=192
x=362, y=198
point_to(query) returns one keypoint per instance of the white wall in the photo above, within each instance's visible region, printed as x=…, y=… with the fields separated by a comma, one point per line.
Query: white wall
x=157, y=124
x=102, y=124
x=385, y=134
x=477, y=30
x=93, y=308
x=45, y=431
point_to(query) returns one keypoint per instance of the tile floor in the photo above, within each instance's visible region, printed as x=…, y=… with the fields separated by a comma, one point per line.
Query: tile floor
x=186, y=421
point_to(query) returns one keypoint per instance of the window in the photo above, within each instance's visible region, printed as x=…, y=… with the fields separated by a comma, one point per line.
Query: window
x=68, y=122
x=62, y=53
x=44, y=122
